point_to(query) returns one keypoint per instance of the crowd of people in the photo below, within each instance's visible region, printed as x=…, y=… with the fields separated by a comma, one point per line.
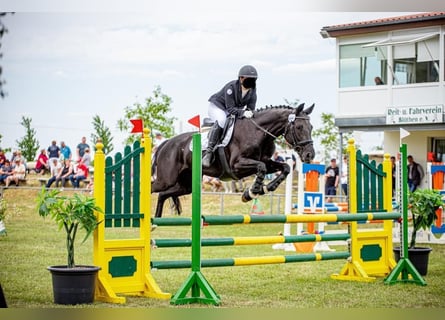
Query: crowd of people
x=62, y=165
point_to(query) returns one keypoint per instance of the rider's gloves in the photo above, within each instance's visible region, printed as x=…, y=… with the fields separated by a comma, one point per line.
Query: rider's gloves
x=248, y=114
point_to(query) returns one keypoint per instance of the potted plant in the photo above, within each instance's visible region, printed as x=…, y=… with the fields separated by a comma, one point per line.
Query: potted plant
x=423, y=204
x=72, y=283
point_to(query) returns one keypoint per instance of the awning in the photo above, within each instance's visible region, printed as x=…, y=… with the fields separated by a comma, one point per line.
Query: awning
x=408, y=39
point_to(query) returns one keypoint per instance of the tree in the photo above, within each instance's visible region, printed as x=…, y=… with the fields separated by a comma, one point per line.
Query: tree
x=329, y=135
x=3, y=31
x=103, y=133
x=153, y=114
x=28, y=144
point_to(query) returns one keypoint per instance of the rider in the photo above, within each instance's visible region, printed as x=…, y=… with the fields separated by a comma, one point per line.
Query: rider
x=231, y=99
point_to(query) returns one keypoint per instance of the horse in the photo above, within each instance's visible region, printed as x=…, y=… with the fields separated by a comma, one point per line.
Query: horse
x=248, y=153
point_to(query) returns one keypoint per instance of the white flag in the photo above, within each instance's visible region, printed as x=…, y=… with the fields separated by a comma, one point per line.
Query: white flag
x=403, y=133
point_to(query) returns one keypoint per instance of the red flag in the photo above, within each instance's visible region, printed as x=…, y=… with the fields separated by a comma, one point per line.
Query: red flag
x=195, y=121
x=138, y=125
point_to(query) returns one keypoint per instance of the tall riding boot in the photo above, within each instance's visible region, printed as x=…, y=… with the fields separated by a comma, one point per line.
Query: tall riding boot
x=214, y=136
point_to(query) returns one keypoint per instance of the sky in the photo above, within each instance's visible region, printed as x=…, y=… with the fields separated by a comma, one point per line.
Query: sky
x=64, y=66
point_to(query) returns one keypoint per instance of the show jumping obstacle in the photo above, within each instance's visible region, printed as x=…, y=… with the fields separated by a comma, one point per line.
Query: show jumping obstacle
x=122, y=188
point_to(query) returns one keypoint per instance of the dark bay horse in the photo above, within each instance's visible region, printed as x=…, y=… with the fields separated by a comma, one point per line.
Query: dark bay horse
x=248, y=153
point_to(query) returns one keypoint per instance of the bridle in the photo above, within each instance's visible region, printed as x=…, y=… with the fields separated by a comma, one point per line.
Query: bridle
x=296, y=145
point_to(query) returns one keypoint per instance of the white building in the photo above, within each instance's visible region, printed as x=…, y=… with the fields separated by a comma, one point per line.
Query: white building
x=408, y=54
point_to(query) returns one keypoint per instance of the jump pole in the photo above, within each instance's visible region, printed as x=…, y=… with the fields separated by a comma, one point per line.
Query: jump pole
x=196, y=283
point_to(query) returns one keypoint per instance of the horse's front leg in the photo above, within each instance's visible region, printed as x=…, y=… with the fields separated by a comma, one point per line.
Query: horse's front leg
x=256, y=188
x=274, y=166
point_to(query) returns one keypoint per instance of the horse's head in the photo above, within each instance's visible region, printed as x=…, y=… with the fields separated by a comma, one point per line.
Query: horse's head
x=298, y=133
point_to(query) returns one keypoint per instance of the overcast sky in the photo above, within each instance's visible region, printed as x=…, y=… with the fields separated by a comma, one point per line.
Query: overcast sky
x=62, y=68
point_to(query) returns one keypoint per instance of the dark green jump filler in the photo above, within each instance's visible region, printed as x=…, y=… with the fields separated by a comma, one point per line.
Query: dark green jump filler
x=196, y=283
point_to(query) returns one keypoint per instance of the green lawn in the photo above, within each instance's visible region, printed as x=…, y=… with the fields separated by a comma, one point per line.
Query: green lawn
x=33, y=243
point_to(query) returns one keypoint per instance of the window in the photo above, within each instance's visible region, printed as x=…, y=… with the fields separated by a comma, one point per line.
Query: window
x=360, y=65
x=417, y=62
x=415, y=57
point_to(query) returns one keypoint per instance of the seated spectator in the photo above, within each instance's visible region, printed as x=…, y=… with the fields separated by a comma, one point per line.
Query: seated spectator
x=18, y=173
x=65, y=174
x=81, y=174
x=2, y=155
x=42, y=164
x=214, y=183
x=5, y=171
x=55, y=170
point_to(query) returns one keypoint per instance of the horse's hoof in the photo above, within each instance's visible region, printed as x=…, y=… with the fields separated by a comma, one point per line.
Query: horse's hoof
x=246, y=196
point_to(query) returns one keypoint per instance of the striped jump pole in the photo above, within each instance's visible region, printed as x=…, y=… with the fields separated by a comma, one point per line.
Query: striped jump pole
x=247, y=261
x=235, y=241
x=274, y=218
x=196, y=283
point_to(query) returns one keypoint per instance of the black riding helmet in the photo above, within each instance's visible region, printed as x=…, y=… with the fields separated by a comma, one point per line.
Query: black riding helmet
x=248, y=71
x=250, y=75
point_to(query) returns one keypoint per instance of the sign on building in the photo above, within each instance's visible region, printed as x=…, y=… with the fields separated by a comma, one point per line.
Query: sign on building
x=414, y=115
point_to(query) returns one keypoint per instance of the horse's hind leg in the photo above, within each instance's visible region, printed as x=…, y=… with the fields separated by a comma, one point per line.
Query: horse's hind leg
x=176, y=204
x=175, y=192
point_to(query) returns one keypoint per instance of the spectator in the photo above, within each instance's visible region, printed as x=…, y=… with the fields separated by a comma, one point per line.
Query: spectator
x=415, y=174
x=2, y=156
x=344, y=176
x=331, y=180
x=214, y=183
x=276, y=157
x=86, y=158
x=18, y=154
x=393, y=171
x=65, y=151
x=53, y=152
x=65, y=174
x=5, y=171
x=18, y=173
x=42, y=164
x=81, y=147
x=90, y=185
x=378, y=81
x=158, y=140
x=81, y=174
x=55, y=170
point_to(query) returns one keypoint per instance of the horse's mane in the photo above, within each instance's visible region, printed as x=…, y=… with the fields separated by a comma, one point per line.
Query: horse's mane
x=266, y=108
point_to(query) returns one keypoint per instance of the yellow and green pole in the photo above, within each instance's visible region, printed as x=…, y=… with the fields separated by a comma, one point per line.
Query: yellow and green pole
x=196, y=283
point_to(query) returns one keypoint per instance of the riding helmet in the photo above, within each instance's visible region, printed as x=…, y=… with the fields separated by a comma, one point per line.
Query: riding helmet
x=248, y=71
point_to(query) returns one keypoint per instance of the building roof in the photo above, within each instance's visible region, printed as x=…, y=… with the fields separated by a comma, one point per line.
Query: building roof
x=417, y=20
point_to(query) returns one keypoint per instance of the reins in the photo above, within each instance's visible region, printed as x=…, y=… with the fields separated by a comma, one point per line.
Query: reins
x=295, y=143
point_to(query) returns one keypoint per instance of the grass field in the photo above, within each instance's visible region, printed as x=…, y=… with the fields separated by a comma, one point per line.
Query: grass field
x=33, y=243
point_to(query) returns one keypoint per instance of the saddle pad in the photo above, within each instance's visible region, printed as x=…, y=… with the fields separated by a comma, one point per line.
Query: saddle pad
x=225, y=141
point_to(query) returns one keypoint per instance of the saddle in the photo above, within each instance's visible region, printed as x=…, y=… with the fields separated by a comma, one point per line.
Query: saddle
x=219, y=153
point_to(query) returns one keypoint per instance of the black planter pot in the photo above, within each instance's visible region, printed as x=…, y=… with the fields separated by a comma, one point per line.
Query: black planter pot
x=73, y=285
x=418, y=257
